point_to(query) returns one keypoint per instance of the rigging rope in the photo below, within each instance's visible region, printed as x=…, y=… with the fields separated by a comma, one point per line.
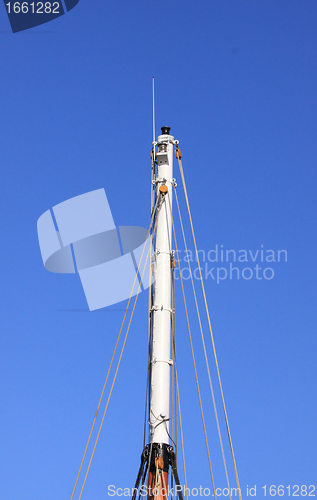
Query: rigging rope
x=180, y=420
x=164, y=485
x=172, y=381
x=111, y=362
x=114, y=379
x=209, y=322
x=204, y=346
x=146, y=394
x=193, y=355
x=150, y=303
x=177, y=397
x=174, y=393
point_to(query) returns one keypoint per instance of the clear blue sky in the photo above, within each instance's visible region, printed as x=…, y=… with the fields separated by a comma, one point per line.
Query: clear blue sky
x=236, y=81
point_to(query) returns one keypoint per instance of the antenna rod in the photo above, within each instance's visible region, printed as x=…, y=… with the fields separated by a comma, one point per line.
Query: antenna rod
x=153, y=110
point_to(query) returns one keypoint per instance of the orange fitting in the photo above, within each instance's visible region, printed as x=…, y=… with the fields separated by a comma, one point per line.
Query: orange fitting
x=163, y=189
x=178, y=153
x=159, y=463
x=152, y=154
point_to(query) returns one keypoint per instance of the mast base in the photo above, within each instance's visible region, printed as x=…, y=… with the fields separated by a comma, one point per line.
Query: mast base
x=155, y=460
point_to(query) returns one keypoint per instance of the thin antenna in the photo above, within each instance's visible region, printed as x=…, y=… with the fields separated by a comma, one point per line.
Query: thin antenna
x=153, y=110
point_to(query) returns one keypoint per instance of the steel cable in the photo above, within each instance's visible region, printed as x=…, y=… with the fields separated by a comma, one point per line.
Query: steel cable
x=193, y=356
x=209, y=324
x=205, y=350
x=111, y=362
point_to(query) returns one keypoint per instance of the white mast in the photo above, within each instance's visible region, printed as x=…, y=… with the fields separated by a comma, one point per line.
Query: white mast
x=161, y=345
x=158, y=456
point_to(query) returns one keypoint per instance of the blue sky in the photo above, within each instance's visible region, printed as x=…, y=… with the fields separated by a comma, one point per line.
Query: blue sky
x=236, y=81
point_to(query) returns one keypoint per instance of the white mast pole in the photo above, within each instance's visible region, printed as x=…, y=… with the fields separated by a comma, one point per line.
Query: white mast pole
x=161, y=345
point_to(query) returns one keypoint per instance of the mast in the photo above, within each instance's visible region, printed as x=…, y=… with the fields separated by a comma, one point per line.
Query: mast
x=161, y=362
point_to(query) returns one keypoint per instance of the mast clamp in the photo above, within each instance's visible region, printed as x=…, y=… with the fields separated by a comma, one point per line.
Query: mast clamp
x=158, y=180
x=168, y=361
x=162, y=308
x=162, y=180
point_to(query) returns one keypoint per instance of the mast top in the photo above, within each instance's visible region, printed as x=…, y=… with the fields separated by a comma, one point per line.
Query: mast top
x=165, y=130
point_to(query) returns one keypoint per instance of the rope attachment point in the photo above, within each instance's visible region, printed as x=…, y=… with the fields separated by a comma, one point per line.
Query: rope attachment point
x=163, y=189
x=153, y=155
x=178, y=153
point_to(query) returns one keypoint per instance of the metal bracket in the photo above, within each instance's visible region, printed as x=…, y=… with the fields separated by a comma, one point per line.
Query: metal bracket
x=168, y=361
x=162, y=180
x=158, y=180
x=142, y=470
x=172, y=461
x=162, y=308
